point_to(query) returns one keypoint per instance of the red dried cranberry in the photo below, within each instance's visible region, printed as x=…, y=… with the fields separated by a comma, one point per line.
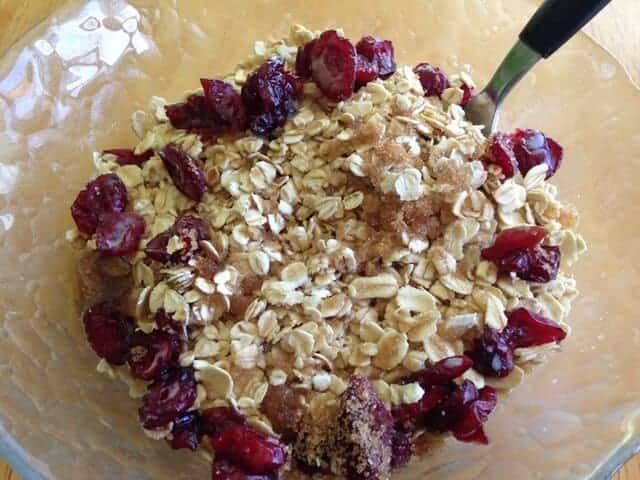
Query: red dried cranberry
x=190, y=115
x=225, y=470
x=366, y=431
x=270, y=95
x=500, y=152
x=518, y=262
x=517, y=251
x=442, y=372
x=303, y=60
x=192, y=227
x=218, y=111
x=184, y=171
x=166, y=323
x=224, y=105
x=492, y=354
x=544, y=265
x=167, y=397
x=532, y=147
x=105, y=194
x=126, y=156
x=156, y=248
x=186, y=432
x=255, y=452
x=469, y=427
x=400, y=449
x=217, y=419
x=467, y=94
x=366, y=71
x=191, y=231
x=410, y=415
x=380, y=53
x=119, y=233
x=527, y=329
x=152, y=353
x=108, y=332
x=333, y=65
x=433, y=80
x=451, y=410
x=513, y=239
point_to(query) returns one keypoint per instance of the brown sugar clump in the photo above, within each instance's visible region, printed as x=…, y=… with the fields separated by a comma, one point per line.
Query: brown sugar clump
x=283, y=407
x=249, y=286
x=355, y=442
x=207, y=267
x=422, y=217
x=363, y=433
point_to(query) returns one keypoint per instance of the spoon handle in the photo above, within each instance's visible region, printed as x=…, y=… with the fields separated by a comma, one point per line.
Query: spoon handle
x=556, y=21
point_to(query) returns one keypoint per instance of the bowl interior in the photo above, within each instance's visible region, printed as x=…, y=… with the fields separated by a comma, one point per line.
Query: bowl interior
x=68, y=89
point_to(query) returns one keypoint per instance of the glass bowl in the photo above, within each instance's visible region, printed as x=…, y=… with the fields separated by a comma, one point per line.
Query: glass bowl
x=68, y=88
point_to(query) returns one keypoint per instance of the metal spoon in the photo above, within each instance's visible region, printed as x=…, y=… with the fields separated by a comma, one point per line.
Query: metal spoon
x=555, y=22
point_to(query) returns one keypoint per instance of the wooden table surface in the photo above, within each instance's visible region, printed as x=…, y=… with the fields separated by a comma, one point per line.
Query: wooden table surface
x=16, y=16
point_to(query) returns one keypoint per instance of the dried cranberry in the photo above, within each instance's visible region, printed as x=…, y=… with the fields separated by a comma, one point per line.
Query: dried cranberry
x=527, y=329
x=518, y=262
x=333, y=65
x=225, y=470
x=517, y=251
x=303, y=60
x=119, y=233
x=451, y=410
x=492, y=354
x=224, y=105
x=156, y=248
x=410, y=415
x=191, y=115
x=532, y=147
x=105, y=194
x=366, y=71
x=184, y=171
x=218, y=111
x=469, y=427
x=217, y=419
x=544, y=263
x=442, y=372
x=126, y=156
x=500, y=152
x=167, y=397
x=400, y=449
x=513, y=239
x=378, y=52
x=152, y=353
x=191, y=231
x=166, y=323
x=365, y=431
x=433, y=80
x=108, y=332
x=255, y=452
x=186, y=432
x=467, y=94
x=270, y=95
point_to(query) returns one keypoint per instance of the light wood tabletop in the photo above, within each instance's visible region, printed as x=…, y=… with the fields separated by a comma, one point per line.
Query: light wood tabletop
x=16, y=16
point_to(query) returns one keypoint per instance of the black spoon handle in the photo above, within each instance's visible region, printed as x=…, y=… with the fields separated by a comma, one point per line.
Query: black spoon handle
x=556, y=21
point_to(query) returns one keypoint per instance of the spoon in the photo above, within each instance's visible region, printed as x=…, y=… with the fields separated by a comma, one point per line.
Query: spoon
x=555, y=22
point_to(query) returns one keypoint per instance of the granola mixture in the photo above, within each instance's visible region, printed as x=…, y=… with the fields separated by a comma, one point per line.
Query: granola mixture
x=325, y=286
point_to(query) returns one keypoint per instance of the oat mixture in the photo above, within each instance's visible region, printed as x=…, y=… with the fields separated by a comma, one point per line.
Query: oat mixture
x=275, y=269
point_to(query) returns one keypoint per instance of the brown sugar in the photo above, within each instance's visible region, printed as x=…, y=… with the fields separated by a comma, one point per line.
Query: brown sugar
x=283, y=407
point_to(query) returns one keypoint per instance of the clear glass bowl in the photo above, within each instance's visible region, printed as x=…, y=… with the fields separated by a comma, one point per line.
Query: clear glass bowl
x=68, y=88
